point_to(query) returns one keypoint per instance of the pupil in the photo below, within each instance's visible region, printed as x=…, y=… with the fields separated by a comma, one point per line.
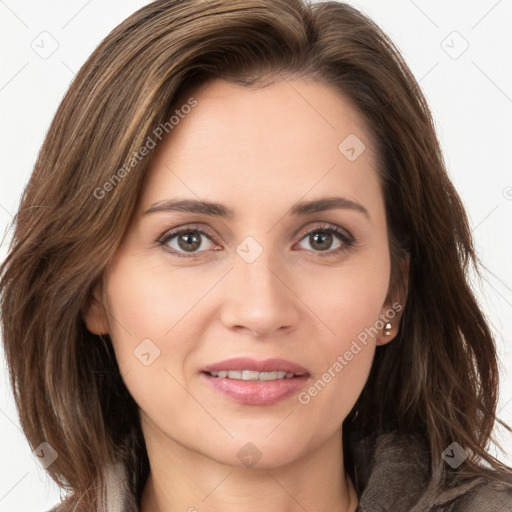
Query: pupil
x=324, y=237
x=185, y=238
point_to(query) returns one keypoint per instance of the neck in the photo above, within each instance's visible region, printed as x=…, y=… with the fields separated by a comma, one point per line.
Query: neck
x=182, y=480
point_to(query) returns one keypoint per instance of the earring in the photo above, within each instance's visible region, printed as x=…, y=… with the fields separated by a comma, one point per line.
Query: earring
x=387, y=329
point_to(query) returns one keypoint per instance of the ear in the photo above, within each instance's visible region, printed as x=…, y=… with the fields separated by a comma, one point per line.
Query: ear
x=94, y=313
x=394, y=305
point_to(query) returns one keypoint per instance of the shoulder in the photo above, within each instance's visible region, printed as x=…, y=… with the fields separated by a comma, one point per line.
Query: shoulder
x=492, y=496
x=491, y=491
x=393, y=472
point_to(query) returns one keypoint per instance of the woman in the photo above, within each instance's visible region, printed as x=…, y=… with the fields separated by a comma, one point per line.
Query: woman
x=238, y=276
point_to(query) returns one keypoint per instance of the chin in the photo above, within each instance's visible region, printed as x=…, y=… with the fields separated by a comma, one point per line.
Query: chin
x=257, y=451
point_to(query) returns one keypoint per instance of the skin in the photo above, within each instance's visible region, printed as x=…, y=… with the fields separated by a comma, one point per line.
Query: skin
x=258, y=151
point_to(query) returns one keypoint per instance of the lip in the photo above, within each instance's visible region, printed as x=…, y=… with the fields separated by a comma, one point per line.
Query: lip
x=265, y=365
x=257, y=392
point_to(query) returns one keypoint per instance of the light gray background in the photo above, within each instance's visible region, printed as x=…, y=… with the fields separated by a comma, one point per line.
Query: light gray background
x=469, y=91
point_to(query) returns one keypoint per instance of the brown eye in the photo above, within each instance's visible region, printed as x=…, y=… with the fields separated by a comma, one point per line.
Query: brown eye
x=321, y=239
x=190, y=241
x=186, y=240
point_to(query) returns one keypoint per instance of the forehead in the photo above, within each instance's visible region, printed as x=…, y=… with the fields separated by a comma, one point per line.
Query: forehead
x=289, y=140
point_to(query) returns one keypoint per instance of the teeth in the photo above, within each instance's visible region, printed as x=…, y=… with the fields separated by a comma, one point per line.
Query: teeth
x=252, y=375
x=247, y=375
x=269, y=375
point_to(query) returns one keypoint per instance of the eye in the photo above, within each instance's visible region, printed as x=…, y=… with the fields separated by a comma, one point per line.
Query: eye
x=185, y=240
x=322, y=237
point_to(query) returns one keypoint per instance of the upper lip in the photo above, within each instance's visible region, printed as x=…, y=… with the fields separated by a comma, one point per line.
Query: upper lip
x=266, y=365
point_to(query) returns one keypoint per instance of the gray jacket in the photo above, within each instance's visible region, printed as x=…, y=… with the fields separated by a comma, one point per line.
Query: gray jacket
x=394, y=474
x=393, y=471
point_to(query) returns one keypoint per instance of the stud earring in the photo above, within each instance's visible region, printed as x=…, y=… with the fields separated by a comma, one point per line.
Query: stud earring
x=387, y=329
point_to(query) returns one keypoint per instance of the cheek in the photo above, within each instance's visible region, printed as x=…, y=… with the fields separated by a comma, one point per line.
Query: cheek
x=349, y=299
x=147, y=302
x=348, y=303
x=157, y=319
x=142, y=309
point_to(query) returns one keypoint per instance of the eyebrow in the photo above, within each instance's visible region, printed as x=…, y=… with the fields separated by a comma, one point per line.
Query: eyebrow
x=299, y=209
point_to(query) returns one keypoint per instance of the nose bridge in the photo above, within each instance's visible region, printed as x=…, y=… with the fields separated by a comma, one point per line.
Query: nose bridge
x=259, y=298
x=256, y=269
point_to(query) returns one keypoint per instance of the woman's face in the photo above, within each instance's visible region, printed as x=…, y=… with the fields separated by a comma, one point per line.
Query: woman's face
x=268, y=282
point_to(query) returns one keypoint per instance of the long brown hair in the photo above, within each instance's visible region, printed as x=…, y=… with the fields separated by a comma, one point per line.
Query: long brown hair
x=437, y=379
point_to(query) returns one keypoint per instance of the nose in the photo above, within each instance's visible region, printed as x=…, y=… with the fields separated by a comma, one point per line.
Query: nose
x=260, y=299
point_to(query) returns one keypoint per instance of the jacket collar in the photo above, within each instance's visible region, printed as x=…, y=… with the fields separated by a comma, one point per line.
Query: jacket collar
x=394, y=469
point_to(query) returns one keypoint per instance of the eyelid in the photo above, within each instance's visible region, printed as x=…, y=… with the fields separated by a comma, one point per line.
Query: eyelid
x=327, y=227
x=344, y=235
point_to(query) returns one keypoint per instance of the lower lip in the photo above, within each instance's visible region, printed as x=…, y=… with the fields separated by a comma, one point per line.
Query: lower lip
x=257, y=392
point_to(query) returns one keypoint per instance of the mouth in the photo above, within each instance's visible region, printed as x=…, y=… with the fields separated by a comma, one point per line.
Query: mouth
x=252, y=382
x=253, y=375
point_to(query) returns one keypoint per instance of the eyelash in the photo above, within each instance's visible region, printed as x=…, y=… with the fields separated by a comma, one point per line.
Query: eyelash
x=342, y=234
